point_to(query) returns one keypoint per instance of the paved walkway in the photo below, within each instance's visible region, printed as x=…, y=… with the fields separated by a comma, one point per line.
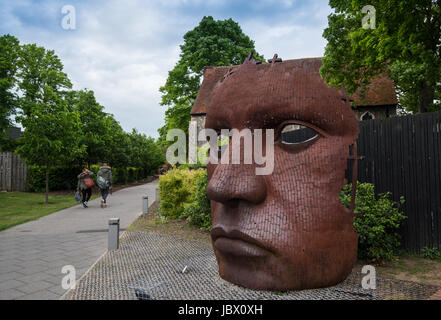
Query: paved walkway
x=32, y=254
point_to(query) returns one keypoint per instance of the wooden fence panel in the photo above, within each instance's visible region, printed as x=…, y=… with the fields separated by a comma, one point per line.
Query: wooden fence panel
x=13, y=172
x=403, y=155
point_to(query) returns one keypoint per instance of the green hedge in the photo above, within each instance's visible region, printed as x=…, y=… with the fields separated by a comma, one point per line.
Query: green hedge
x=198, y=212
x=60, y=178
x=65, y=178
x=177, y=189
x=183, y=196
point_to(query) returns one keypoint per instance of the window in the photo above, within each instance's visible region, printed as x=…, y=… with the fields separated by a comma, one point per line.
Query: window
x=367, y=116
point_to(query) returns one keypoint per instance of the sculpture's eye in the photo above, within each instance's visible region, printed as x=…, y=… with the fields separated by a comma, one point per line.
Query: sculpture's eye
x=293, y=134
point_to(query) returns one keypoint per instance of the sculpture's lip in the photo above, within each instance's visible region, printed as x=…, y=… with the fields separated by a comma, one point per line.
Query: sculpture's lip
x=237, y=243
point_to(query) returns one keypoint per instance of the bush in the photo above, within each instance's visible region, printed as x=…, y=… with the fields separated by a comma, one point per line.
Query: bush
x=119, y=176
x=198, y=212
x=65, y=178
x=176, y=189
x=60, y=178
x=378, y=223
x=431, y=253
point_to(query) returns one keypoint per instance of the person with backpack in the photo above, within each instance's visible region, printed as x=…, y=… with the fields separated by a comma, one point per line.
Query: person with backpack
x=104, y=182
x=85, y=184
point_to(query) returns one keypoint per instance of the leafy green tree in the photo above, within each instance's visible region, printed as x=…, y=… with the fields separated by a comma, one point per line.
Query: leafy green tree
x=9, y=51
x=51, y=134
x=39, y=69
x=145, y=153
x=51, y=129
x=211, y=43
x=117, y=145
x=94, y=130
x=405, y=43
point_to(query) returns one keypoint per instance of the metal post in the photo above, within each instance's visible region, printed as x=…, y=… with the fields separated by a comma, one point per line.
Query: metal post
x=113, y=241
x=145, y=204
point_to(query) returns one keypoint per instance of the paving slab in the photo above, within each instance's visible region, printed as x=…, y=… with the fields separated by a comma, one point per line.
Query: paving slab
x=32, y=254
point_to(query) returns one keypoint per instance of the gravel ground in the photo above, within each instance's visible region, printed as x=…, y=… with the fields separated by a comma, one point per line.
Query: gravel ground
x=150, y=266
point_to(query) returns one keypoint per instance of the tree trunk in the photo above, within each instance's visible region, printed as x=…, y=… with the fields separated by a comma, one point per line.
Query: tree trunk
x=427, y=95
x=47, y=185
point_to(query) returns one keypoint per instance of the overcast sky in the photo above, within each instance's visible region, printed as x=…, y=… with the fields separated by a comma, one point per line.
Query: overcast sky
x=123, y=50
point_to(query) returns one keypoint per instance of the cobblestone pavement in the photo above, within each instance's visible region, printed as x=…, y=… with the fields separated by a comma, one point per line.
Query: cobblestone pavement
x=150, y=266
x=32, y=254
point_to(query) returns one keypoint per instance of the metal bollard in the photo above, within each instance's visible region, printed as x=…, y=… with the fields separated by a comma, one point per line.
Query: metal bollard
x=157, y=194
x=145, y=204
x=113, y=241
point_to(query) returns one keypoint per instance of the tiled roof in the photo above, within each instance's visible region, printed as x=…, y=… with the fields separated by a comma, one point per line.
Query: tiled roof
x=381, y=90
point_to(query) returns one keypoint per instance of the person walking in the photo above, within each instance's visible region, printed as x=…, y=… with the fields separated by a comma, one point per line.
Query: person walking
x=85, y=184
x=104, y=181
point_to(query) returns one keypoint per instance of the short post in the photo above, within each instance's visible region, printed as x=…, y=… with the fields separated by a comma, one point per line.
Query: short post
x=145, y=204
x=113, y=241
x=157, y=194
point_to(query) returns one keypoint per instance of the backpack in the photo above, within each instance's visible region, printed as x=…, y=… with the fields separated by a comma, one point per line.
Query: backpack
x=102, y=183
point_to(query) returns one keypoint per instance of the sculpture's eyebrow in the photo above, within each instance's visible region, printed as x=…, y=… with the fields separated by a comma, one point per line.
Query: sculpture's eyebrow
x=271, y=116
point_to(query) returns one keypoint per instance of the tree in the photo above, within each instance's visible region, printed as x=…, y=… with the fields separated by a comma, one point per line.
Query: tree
x=211, y=43
x=145, y=153
x=52, y=130
x=39, y=69
x=404, y=43
x=118, y=144
x=94, y=129
x=51, y=134
x=9, y=50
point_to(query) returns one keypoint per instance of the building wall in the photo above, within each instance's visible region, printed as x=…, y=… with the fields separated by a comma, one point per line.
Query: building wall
x=378, y=112
x=197, y=123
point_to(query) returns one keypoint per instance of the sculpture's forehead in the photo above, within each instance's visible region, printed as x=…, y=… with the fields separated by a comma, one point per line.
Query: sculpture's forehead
x=259, y=96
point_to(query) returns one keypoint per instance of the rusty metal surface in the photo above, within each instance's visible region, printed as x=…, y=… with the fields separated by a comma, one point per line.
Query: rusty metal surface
x=287, y=230
x=381, y=90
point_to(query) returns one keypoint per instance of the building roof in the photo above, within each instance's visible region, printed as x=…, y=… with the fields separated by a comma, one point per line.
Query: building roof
x=381, y=90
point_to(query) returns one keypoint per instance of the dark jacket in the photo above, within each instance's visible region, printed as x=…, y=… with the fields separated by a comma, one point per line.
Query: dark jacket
x=81, y=177
x=106, y=173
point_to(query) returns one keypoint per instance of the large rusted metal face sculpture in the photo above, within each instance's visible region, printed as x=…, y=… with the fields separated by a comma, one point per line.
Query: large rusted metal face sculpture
x=286, y=230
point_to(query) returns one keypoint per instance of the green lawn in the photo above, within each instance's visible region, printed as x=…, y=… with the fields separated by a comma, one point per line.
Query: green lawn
x=20, y=207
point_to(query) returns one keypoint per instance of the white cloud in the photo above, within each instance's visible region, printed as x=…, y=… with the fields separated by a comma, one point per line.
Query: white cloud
x=124, y=50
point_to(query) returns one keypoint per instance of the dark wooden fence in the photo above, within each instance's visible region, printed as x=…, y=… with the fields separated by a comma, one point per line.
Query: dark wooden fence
x=403, y=155
x=13, y=172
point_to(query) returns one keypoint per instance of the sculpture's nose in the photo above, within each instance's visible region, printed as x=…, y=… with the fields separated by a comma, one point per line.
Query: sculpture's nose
x=232, y=182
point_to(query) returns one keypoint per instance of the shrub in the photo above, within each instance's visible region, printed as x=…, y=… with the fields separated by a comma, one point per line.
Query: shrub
x=198, y=212
x=60, y=178
x=377, y=224
x=176, y=189
x=65, y=178
x=119, y=176
x=430, y=253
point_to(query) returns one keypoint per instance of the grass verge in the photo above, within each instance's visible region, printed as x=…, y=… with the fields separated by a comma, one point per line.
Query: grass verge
x=20, y=207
